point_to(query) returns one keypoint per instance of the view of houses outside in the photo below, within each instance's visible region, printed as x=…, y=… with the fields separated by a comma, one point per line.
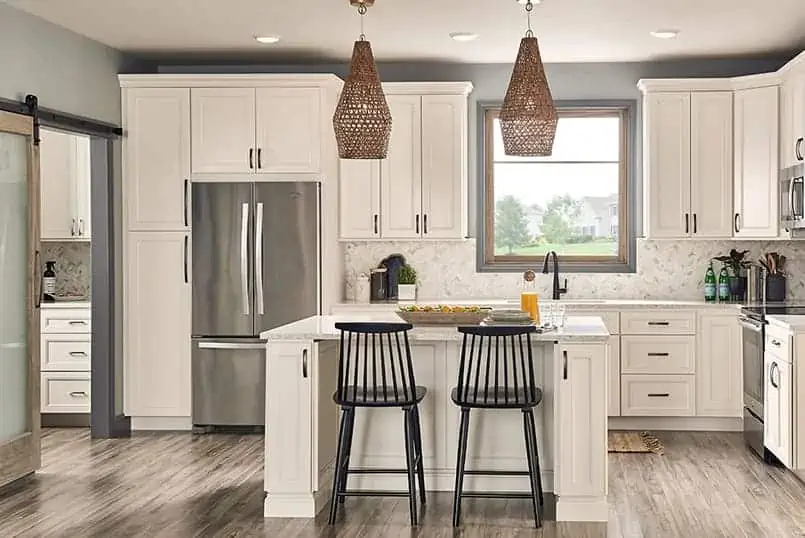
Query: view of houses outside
x=567, y=202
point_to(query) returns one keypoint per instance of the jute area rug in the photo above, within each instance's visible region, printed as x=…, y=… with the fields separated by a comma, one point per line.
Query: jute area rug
x=635, y=442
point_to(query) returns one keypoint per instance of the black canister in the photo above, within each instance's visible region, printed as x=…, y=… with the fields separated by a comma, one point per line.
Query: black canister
x=775, y=288
x=378, y=284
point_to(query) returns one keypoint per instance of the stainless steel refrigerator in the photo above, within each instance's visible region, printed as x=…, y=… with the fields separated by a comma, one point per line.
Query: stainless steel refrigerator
x=256, y=266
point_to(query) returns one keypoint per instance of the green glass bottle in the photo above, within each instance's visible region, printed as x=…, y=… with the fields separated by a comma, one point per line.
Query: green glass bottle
x=723, y=285
x=710, y=284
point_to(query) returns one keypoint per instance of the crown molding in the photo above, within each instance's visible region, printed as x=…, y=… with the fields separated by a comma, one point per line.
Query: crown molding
x=245, y=80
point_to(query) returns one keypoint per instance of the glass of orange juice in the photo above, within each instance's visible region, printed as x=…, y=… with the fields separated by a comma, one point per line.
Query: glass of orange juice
x=529, y=300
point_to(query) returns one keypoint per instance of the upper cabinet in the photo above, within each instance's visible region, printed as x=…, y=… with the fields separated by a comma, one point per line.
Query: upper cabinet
x=156, y=182
x=688, y=164
x=65, y=181
x=255, y=131
x=421, y=187
x=792, y=118
x=756, y=189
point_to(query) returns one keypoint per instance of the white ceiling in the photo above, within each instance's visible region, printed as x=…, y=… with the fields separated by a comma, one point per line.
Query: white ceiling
x=569, y=30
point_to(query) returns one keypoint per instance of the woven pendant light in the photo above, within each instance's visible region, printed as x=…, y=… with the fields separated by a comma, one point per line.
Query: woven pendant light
x=528, y=117
x=362, y=120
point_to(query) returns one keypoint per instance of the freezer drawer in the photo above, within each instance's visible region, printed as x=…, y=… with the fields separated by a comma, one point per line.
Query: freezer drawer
x=229, y=382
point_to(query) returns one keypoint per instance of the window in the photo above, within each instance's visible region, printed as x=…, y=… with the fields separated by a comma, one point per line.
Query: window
x=574, y=202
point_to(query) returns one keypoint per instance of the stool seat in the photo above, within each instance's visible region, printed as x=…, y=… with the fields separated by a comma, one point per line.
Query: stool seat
x=379, y=396
x=498, y=398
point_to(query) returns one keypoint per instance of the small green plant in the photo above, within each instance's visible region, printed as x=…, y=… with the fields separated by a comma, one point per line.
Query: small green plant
x=734, y=261
x=407, y=275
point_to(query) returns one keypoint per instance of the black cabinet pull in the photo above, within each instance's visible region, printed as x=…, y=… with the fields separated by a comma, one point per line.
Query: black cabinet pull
x=425, y=223
x=186, y=241
x=798, y=148
x=662, y=323
x=417, y=224
x=375, y=223
x=186, y=189
x=304, y=363
x=251, y=158
x=694, y=223
x=259, y=157
x=653, y=354
x=687, y=224
x=564, y=364
x=736, y=223
x=658, y=395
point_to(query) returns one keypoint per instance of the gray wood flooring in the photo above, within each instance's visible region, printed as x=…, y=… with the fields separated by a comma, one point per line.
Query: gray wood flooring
x=177, y=485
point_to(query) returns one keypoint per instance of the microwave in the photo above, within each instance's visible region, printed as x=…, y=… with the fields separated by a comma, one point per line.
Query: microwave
x=792, y=199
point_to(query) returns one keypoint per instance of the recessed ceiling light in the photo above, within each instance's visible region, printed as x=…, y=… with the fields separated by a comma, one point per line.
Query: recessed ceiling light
x=665, y=34
x=463, y=36
x=267, y=39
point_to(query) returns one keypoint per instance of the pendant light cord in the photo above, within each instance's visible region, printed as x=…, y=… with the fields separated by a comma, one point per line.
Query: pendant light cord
x=528, y=7
x=362, y=12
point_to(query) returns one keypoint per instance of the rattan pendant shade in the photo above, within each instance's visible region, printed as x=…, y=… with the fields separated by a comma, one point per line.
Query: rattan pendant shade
x=362, y=120
x=528, y=117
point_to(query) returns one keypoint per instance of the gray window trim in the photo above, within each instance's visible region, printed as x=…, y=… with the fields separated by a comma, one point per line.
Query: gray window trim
x=633, y=194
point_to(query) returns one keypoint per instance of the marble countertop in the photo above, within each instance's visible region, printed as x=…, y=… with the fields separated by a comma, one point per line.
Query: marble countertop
x=576, y=329
x=794, y=323
x=572, y=304
x=65, y=304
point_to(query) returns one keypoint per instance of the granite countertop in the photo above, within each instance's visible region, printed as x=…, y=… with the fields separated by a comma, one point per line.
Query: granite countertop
x=65, y=304
x=576, y=329
x=572, y=304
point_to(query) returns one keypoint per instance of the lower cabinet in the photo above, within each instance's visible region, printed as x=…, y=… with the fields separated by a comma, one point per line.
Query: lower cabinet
x=719, y=380
x=65, y=392
x=157, y=325
x=778, y=407
x=65, y=360
x=658, y=395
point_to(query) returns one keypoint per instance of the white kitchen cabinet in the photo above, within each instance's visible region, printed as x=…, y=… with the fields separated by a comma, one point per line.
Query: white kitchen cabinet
x=719, y=379
x=401, y=170
x=614, y=377
x=65, y=184
x=792, y=119
x=778, y=407
x=288, y=130
x=581, y=425
x=756, y=189
x=65, y=392
x=711, y=164
x=158, y=319
x=223, y=130
x=359, y=199
x=156, y=183
x=444, y=166
x=65, y=354
x=667, y=164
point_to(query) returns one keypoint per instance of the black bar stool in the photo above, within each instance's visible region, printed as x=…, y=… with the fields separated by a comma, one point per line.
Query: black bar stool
x=375, y=370
x=496, y=371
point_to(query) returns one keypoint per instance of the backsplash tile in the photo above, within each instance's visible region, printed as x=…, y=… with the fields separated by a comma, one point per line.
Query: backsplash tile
x=72, y=266
x=665, y=270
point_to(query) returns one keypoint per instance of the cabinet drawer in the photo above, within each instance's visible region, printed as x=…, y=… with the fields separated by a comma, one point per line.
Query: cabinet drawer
x=66, y=321
x=778, y=342
x=69, y=352
x=658, y=395
x=65, y=392
x=658, y=322
x=658, y=354
x=611, y=318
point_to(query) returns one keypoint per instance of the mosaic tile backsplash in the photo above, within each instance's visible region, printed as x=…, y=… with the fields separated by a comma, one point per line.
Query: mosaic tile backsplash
x=665, y=270
x=72, y=266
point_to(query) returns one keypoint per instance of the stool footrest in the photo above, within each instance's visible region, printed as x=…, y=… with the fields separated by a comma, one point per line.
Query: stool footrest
x=495, y=495
x=378, y=493
x=361, y=470
x=496, y=473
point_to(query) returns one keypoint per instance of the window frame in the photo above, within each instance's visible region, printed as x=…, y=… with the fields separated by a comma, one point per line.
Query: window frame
x=628, y=196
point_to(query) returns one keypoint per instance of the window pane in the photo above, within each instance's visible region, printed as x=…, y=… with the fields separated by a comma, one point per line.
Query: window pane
x=577, y=139
x=544, y=206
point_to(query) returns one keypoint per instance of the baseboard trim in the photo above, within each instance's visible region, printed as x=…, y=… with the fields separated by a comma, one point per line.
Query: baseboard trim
x=161, y=423
x=582, y=509
x=290, y=505
x=693, y=424
x=65, y=420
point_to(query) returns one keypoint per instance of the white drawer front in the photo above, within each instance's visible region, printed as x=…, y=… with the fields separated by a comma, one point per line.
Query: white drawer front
x=778, y=342
x=658, y=354
x=70, y=352
x=65, y=392
x=611, y=318
x=658, y=395
x=66, y=321
x=652, y=321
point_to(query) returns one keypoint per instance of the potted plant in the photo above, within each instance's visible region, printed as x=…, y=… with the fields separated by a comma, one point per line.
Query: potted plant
x=406, y=289
x=736, y=265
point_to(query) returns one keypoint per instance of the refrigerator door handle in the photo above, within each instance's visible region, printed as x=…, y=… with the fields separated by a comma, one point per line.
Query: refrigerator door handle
x=231, y=345
x=258, y=258
x=244, y=248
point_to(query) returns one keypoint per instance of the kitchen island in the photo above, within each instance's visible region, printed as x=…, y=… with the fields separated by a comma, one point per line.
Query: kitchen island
x=302, y=420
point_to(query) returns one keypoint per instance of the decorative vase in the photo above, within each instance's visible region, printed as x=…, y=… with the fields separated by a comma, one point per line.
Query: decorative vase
x=406, y=292
x=737, y=288
x=775, y=288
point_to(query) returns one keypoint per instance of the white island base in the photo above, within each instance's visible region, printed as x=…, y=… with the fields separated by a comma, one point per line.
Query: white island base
x=302, y=420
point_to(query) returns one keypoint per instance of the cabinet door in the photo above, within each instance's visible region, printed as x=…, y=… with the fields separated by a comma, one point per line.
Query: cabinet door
x=777, y=408
x=582, y=448
x=756, y=163
x=157, y=159
x=359, y=194
x=444, y=166
x=289, y=129
x=711, y=164
x=401, y=171
x=158, y=324
x=719, y=380
x=788, y=134
x=81, y=180
x=614, y=377
x=223, y=130
x=56, y=156
x=796, y=141
x=667, y=133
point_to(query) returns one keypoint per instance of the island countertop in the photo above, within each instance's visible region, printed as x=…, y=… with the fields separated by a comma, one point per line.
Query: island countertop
x=577, y=329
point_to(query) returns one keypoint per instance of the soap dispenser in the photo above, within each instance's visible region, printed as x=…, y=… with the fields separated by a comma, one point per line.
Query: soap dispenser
x=49, y=282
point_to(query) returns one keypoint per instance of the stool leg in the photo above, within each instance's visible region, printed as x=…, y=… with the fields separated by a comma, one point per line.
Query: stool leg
x=411, y=461
x=339, y=463
x=463, y=434
x=348, y=451
x=533, y=429
x=529, y=449
x=418, y=443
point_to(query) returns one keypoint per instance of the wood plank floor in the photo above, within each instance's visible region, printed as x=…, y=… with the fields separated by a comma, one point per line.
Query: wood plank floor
x=177, y=485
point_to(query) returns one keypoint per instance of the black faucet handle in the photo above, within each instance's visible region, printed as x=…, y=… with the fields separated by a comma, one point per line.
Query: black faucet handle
x=563, y=289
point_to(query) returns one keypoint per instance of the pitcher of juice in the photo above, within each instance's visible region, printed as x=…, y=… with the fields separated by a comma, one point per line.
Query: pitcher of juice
x=529, y=301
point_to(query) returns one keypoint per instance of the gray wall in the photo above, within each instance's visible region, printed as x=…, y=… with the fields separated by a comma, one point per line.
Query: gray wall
x=577, y=81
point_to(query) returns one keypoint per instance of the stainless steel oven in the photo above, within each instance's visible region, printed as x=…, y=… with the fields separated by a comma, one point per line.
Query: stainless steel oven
x=792, y=199
x=752, y=331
